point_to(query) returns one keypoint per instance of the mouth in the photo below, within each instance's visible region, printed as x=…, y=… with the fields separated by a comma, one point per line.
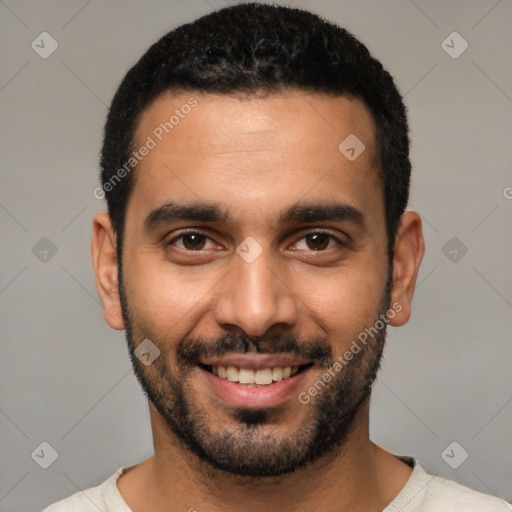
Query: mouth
x=254, y=380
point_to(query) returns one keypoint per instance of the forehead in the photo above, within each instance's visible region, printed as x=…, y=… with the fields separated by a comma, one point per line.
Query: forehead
x=255, y=151
x=256, y=122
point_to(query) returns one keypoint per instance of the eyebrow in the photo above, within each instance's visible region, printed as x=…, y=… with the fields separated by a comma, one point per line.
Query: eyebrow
x=297, y=214
x=171, y=212
x=322, y=212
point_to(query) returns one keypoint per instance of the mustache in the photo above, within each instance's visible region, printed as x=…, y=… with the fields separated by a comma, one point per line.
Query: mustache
x=316, y=349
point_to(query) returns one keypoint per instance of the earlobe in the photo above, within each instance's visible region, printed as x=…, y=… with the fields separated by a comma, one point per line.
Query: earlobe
x=408, y=253
x=104, y=259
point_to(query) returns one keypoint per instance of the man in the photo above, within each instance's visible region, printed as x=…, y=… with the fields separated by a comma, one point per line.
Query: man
x=256, y=170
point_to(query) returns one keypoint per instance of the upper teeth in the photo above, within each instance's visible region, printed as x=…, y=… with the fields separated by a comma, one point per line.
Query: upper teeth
x=248, y=376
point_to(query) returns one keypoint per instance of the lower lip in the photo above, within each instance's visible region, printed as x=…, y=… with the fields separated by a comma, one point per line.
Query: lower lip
x=237, y=395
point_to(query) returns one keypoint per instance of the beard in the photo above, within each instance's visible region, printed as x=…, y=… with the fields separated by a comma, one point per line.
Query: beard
x=257, y=446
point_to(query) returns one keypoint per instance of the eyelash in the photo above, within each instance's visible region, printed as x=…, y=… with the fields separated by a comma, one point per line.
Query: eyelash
x=318, y=232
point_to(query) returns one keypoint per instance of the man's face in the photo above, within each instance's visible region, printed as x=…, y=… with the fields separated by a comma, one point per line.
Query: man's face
x=229, y=260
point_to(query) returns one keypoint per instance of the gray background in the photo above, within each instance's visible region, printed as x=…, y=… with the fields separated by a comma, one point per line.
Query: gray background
x=66, y=377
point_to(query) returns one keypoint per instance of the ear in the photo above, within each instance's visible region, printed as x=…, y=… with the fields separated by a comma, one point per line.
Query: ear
x=408, y=253
x=104, y=259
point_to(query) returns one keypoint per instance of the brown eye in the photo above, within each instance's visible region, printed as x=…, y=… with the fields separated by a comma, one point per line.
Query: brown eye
x=318, y=241
x=193, y=241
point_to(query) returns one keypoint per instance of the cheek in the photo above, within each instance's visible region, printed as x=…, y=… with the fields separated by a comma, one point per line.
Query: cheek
x=164, y=295
x=344, y=302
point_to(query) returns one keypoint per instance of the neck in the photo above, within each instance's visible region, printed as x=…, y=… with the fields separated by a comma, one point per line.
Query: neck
x=356, y=476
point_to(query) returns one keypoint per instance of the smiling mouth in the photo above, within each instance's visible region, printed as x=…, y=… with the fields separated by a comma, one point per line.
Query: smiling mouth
x=252, y=378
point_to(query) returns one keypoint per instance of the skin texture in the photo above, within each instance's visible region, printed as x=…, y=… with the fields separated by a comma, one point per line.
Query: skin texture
x=257, y=157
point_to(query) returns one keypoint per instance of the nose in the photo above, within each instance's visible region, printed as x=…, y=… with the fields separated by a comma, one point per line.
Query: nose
x=254, y=297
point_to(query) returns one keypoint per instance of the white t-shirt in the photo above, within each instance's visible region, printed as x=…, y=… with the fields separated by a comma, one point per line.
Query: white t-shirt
x=421, y=493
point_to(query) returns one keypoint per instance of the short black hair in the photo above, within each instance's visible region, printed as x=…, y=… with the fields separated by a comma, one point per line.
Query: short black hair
x=251, y=48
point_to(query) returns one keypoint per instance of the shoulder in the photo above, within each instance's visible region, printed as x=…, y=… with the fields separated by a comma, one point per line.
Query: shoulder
x=430, y=493
x=93, y=499
x=78, y=502
x=443, y=493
